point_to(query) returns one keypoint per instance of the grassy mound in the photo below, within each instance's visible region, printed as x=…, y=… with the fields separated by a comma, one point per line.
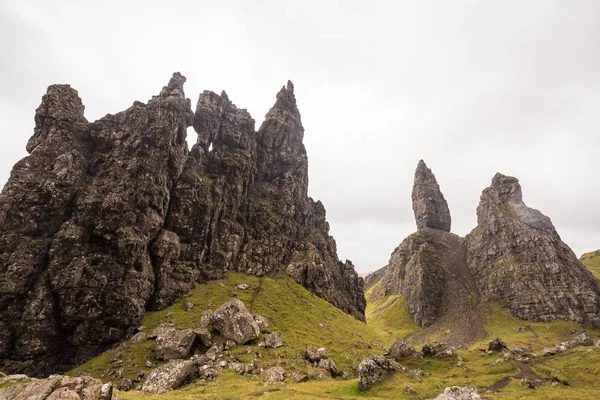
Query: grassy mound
x=592, y=261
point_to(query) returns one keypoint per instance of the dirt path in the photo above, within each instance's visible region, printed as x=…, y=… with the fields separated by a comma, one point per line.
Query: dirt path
x=462, y=319
x=524, y=372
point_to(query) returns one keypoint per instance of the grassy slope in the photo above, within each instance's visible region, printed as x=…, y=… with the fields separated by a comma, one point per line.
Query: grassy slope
x=592, y=261
x=297, y=314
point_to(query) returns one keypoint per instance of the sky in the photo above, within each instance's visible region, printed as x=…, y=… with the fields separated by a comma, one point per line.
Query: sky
x=471, y=87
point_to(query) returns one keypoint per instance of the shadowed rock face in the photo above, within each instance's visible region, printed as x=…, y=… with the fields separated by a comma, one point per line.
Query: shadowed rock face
x=518, y=259
x=105, y=220
x=430, y=206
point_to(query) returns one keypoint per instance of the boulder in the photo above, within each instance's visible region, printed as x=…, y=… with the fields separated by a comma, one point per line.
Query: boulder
x=204, y=335
x=318, y=373
x=428, y=350
x=375, y=369
x=262, y=322
x=400, y=349
x=273, y=374
x=459, y=393
x=167, y=377
x=234, y=322
x=330, y=366
x=314, y=354
x=496, y=345
x=273, y=340
x=56, y=387
x=174, y=343
x=298, y=377
x=585, y=339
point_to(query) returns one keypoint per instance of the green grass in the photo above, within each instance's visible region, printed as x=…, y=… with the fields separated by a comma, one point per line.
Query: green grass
x=389, y=317
x=305, y=319
x=592, y=261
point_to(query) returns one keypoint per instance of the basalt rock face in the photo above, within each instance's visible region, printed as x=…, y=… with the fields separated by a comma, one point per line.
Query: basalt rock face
x=519, y=260
x=430, y=206
x=105, y=220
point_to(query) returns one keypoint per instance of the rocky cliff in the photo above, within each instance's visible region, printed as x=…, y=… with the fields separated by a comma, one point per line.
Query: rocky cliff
x=519, y=260
x=105, y=220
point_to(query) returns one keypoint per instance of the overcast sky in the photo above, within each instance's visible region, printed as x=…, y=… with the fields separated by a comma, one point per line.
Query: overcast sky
x=472, y=87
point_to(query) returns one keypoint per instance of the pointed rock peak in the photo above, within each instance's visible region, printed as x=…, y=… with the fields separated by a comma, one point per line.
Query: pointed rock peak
x=505, y=188
x=286, y=100
x=175, y=87
x=430, y=206
x=60, y=103
x=224, y=95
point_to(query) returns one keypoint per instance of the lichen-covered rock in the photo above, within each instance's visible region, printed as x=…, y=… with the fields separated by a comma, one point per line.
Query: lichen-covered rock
x=459, y=393
x=400, y=349
x=519, y=260
x=584, y=339
x=430, y=206
x=168, y=376
x=314, y=354
x=273, y=374
x=56, y=387
x=318, y=373
x=106, y=220
x=330, y=366
x=375, y=369
x=174, y=343
x=234, y=321
x=273, y=340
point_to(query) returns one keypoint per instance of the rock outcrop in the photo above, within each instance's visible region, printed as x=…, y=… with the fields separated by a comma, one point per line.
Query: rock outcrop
x=375, y=369
x=518, y=259
x=428, y=202
x=105, y=220
x=56, y=387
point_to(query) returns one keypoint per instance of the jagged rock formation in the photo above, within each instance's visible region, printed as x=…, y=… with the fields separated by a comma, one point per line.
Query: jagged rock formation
x=105, y=220
x=430, y=206
x=519, y=260
x=429, y=268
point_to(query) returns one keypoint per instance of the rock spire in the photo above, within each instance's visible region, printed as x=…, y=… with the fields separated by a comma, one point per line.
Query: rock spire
x=429, y=205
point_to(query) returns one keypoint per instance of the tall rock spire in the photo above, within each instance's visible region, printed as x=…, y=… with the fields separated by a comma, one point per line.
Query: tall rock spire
x=430, y=206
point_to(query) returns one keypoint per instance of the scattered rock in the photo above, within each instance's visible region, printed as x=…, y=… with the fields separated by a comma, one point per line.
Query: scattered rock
x=167, y=377
x=204, y=335
x=318, y=373
x=243, y=286
x=234, y=322
x=56, y=387
x=446, y=353
x=428, y=350
x=298, y=377
x=459, y=393
x=400, y=349
x=585, y=339
x=262, y=322
x=273, y=374
x=125, y=385
x=230, y=344
x=314, y=354
x=410, y=390
x=174, y=343
x=496, y=345
x=375, y=369
x=187, y=306
x=330, y=366
x=417, y=374
x=273, y=340
x=208, y=372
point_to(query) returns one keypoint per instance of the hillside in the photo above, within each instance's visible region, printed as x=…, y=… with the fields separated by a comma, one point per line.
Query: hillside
x=298, y=314
x=592, y=261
